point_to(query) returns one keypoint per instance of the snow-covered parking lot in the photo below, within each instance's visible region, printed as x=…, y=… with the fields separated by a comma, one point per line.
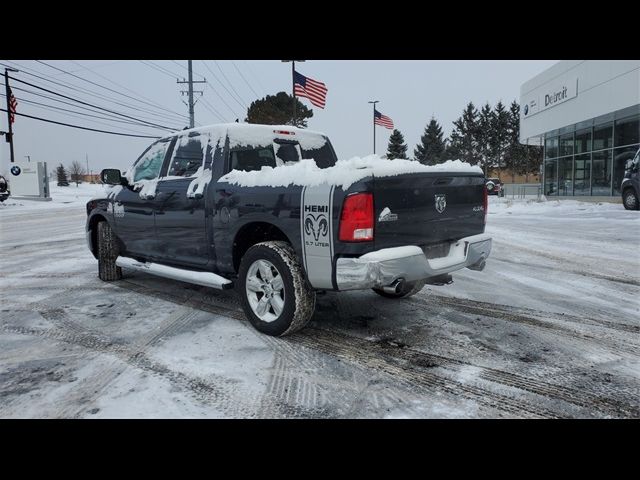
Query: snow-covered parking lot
x=551, y=328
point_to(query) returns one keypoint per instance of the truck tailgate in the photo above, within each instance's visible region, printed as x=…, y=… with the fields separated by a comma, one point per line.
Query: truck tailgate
x=427, y=208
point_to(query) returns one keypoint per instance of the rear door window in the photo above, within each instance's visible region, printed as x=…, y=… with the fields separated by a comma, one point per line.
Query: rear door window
x=187, y=158
x=250, y=158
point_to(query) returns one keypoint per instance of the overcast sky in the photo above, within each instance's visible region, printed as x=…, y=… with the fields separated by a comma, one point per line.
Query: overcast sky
x=410, y=92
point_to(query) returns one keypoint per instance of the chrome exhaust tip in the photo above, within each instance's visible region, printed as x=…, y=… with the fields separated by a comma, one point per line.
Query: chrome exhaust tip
x=479, y=265
x=395, y=287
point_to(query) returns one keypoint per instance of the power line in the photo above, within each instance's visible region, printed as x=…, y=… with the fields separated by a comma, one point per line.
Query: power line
x=101, y=86
x=76, y=114
x=48, y=97
x=78, y=126
x=150, y=64
x=76, y=88
x=255, y=77
x=151, y=102
x=223, y=86
x=245, y=80
x=91, y=105
x=230, y=84
x=212, y=109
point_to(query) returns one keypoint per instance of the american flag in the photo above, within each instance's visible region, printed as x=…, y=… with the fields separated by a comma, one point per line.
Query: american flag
x=309, y=88
x=382, y=120
x=13, y=104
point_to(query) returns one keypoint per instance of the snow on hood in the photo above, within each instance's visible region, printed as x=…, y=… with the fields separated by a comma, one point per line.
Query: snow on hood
x=343, y=174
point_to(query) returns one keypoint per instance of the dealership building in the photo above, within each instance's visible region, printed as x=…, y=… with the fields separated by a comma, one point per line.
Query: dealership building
x=586, y=114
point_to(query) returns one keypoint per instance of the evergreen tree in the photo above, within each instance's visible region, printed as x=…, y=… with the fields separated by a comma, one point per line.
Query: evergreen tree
x=397, y=148
x=463, y=144
x=278, y=110
x=499, y=138
x=432, y=146
x=515, y=152
x=485, y=137
x=61, y=173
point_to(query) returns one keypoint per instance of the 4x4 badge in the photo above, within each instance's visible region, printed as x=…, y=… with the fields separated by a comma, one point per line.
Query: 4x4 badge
x=441, y=202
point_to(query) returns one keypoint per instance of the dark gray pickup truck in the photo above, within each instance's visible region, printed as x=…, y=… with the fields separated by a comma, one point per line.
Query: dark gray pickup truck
x=270, y=210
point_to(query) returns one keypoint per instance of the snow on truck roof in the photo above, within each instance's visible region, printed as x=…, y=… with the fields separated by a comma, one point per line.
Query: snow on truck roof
x=258, y=134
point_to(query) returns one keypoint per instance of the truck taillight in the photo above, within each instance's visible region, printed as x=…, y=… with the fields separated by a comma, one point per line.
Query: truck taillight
x=485, y=203
x=356, y=221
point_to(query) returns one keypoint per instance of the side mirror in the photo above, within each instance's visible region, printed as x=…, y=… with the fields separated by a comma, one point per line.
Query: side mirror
x=112, y=176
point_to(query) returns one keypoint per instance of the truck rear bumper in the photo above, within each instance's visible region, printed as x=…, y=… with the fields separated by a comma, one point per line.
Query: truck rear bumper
x=382, y=267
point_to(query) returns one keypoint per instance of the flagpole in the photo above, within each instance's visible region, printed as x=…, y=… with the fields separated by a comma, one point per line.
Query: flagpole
x=374, y=124
x=293, y=90
x=9, y=136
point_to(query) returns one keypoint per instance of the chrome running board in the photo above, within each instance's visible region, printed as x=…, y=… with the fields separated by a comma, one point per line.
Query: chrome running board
x=206, y=279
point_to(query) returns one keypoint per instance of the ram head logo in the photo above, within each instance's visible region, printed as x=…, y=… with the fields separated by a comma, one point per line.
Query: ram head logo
x=318, y=226
x=440, y=202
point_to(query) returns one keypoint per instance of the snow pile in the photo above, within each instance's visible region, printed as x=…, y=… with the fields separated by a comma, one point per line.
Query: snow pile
x=343, y=174
x=71, y=196
x=550, y=207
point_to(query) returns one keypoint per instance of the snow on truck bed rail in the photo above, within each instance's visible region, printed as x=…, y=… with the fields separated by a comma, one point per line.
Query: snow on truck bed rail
x=343, y=174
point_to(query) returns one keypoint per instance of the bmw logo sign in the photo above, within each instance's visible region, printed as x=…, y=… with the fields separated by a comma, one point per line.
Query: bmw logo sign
x=15, y=170
x=526, y=109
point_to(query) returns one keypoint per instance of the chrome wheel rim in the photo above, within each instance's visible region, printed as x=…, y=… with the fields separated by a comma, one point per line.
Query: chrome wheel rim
x=264, y=288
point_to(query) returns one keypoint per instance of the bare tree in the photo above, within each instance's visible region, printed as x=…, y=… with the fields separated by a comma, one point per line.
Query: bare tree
x=76, y=171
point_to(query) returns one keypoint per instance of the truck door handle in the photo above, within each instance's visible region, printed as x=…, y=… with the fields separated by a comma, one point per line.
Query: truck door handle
x=195, y=196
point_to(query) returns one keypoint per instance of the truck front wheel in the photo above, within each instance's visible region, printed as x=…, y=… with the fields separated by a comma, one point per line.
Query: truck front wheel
x=107, y=254
x=630, y=199
x=406, y=290
x=276, y=297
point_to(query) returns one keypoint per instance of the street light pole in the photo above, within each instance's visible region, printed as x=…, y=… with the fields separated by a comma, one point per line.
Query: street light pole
x=374, y=124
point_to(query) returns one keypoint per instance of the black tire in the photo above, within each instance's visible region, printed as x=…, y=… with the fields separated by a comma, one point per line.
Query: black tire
x=630, y=200
x=108, y=251
x=408, y=289
x=299, y=297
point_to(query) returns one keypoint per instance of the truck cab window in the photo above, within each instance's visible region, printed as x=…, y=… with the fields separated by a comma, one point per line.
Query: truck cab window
x=288, y=152
x=249, y=159
x=187, y=157
x=149, y=164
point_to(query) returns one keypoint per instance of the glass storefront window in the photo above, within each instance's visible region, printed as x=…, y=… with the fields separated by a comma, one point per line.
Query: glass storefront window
x=566, y=145
x=583, y=141
x=551, y=147
x=620, y=157
x=550, y=173
x=582, y=173
x=628, y=131
x=603, y=136
x=601, y=173
x=565, y=176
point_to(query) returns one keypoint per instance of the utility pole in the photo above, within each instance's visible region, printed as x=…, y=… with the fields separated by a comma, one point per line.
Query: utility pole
x=293, y=87
x=88, y=172
x=28, y=158
x=190, y=92
x=374, y=124
x=9, y=134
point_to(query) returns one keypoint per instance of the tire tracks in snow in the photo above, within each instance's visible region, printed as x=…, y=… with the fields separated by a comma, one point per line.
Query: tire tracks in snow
x=370, y=355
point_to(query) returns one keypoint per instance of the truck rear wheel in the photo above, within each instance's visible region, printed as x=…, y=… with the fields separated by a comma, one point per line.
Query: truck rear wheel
x=276, y=297
x=407, y=289
x=107, y=254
